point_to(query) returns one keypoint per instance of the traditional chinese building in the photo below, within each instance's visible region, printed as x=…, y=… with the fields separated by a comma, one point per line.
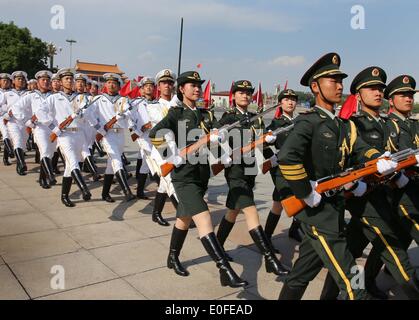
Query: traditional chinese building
x=95, y=71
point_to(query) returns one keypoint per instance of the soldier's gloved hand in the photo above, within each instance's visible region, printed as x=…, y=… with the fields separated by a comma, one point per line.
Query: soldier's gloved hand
x=30, y=124
x=74, y=115
x=176, y=160
x=270, y=138
x=417, y=160
x=357, y=188
x=226, y=160
x=120, y=116
x=274, y=161
x=57, y=131
x=218, y=136
x=314, y=198
x=386, y=167
x=402, y=181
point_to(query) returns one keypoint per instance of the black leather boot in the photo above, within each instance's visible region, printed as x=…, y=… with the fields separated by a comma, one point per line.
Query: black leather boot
x=6, y=161
x=224, y=229
x=8, y=147
x=54, y=162
x=141, y=181
x=271, y=223
x=272, y=263
x=411, y=288
x=76, y=174
x=46, y=164
x=92, y=168
x=125, y=160
x=99, y=148
x=37, y=155
x=176, y=244
x=137, y=168
x=159, y=202
x=107, y=183
x=330, y=289
x=228, y=277
x=295, y=231
x=21, y=167
x=65, y=190
x=121, y=176
x=288, y=293
x=43, y=179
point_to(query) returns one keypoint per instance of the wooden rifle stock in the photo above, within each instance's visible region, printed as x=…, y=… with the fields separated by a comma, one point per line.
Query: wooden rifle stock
x=62, y=126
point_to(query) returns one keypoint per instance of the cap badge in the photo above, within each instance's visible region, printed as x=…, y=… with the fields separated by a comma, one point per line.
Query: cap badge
x=375, y=72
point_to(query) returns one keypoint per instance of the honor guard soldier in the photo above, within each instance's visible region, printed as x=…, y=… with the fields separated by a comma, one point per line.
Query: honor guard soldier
x=110, y=106
x=240, y=182
x=55, y=83
x=5, y=83
x=94, y=90
x=17, y=129
x=321, y=145
x=287, y=101
x=190, y=179
x=58, y=108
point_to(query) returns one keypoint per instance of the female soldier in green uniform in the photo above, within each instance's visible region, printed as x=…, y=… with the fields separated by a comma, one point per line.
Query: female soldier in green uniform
x=190, y=178
x=240, y=182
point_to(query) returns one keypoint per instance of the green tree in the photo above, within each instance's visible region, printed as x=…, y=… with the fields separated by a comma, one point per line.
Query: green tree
x=20, y=51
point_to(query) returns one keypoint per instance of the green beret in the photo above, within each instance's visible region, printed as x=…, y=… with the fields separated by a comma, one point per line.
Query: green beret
x=369, y=77
x=286, y=94
x=189, y=77
x=403, y=83
x=326, y=66
x=242, y=85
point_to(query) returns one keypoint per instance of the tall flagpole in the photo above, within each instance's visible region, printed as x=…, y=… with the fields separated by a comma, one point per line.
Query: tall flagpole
x=180, y=46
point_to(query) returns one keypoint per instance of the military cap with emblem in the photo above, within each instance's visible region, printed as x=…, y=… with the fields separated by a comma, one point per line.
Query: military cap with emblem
x=146, y=80
x=326, y=66
x=403, y=83
x=55, y=76
x=80, y=76
x=370, y=76
x=43, y=74
x=287, y=94
x=242, y=85
x=165, y=75
x=65, y=72
x=112, y=76
x=20, y=74
x=5, y=75
x=189, y=77
x=31, y=81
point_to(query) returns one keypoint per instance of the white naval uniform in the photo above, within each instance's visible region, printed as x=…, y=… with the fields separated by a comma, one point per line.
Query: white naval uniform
x=70, y=140
x=23, y=111
x=3, y=111
x=16, y=128
x=100, y=113
x=89, y=132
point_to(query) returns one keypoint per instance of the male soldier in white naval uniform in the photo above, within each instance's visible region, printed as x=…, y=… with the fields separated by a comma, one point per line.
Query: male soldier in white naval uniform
x=109, y=107
x=25, y=111
x=17, y=129
x=58, y=108
x=5, y=83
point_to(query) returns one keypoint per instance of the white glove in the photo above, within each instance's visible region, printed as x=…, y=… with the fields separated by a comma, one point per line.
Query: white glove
x=386, y=167
x=360, y=189
x=314, y=198
x=176, y=160
x=30, y=124
x=417, y=159
x=74, y=115
x=274, y=161
x=270, y=138
x=213, y=137
x=57, y=131
x=218, y=137
x=102, y=131
x=226, y=160
x=402, y=181
x=120, y=116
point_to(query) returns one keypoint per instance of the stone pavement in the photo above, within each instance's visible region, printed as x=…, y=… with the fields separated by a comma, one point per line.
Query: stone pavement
x=115, y=251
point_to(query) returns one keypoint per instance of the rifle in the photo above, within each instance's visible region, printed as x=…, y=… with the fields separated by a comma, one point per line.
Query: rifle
x=70, y=119
x=404, y=159
x=218, y=167
x=167, y=167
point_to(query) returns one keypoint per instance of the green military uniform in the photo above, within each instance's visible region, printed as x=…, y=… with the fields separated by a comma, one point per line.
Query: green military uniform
x=241, y=183
x=190, y=180
x=321, y=145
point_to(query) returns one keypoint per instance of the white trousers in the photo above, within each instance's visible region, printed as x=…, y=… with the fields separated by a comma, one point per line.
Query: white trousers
x=18, y=134
x=113, y=145
x=41, y=135
x=3, y=129
x=70, y=146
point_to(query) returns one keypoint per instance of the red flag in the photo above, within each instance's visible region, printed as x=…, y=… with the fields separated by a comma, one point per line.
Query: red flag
x=104, y=89
x=286, y=85
x=139, y=78
x=230, y=96
x=207, y=95
x=135, y=93
x=156, y=93
x=259, y=97
x=126, y=89
x=349, y=107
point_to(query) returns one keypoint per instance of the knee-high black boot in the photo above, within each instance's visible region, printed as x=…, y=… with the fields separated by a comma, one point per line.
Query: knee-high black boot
x=46, y=163
x=228, y=277
x=54, y=162
x=76, y=174
x=271, y=223
x=107, y=183
x=43, y=179
x=123, y=181
x=159, y=202
x=295, y=231
x=91, y=166
x=288, y=293
x=223, y=231
x=174, y=201
x=272, y=263
x=125, y=160
x=137, y=168
x=6, y=161
x=8, y=147
x=65, y=190
x=21, y=167
x=37, y=155
x=141, y=181
x=176, y=244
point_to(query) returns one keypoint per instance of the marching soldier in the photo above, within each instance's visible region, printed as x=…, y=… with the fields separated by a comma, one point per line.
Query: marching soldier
x=321, y=145
x=105, y=108
x=55, y=83
x=287, y=100
x=190, y=179
x=58, y=108
x=17, y=129
x=5, y=83
x=240, y=182
x=94, y=90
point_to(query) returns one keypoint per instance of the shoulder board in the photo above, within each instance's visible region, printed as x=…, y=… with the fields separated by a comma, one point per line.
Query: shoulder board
x=308, y=111
x=358, y=115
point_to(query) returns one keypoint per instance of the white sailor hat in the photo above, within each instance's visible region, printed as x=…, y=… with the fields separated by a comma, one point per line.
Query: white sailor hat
x=89, y=81
x=65, y=72
x=55, y=76
x=165, y=74
x=20, y=74
x=112, y=76
x=80, y=76
x=145, y=81
x=31, y=81
x=43, y=74
x=95, y=83
x=5, y=75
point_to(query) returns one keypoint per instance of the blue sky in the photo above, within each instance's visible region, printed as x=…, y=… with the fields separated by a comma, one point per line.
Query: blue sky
x=270, y=41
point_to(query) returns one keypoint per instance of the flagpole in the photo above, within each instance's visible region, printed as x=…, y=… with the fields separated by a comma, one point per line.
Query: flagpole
x=180, y=46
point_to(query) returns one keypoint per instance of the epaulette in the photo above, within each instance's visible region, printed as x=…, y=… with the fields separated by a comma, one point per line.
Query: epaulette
x=308, y=111
x=414, y=118
x=384, y=116
x=357, y=115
